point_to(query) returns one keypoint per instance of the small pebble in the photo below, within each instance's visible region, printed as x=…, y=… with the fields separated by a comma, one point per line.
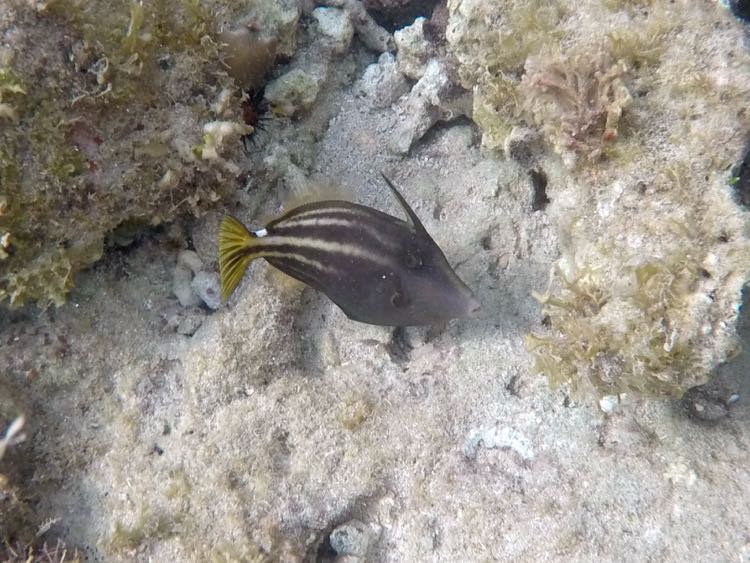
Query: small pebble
x=182, y=288
x=351, y=538
x=383, y=82
x=335, y=26
x=295, y=91
x=207, y=286
x=413, y=49
x=609, y=403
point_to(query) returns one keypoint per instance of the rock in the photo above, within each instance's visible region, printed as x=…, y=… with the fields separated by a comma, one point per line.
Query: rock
x=217, y=135
x=207, y=286
x=740, y=8
x=352, y=538
x=703, y=409
x=185, y=321
x=335, y=27
x=190, y=260
x=294, y=91
x=414, y=51
x=276, y=21
x=369, y=32
x=432, y=99
x=102, y=195
x=434, y=28
x=609, y=403
x=181, y=287
x=457, y=136
x=382, y=82
x=613, y=190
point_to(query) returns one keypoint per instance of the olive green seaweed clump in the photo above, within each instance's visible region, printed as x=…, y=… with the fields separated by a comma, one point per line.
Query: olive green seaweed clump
x=491, y=42
x=108, y=115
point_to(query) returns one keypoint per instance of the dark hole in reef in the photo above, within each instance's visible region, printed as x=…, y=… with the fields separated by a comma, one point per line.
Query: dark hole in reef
x=325, y=552
x=395, y=15
x=165, y=62
x=742, y=179
x=130, y=233
x=741, y=9
x=539, y=181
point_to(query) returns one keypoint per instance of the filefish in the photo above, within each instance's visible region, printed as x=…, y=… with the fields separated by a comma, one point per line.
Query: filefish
x=376, y=268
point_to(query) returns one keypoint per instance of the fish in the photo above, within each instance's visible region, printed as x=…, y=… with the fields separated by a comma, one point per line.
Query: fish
x=378, y=269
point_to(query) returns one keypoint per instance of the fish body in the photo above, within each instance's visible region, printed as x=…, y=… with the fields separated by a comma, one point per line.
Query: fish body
x=377, y=268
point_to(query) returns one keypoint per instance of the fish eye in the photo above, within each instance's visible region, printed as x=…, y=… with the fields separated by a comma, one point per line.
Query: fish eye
x=413, y=259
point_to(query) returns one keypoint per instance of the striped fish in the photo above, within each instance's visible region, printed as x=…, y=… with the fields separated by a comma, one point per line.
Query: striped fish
x=377, y=268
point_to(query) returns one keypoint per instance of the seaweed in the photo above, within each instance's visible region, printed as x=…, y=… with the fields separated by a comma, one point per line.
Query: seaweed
x=578, y=100
x=639, y=340
x=68, y=174
x=492, y=57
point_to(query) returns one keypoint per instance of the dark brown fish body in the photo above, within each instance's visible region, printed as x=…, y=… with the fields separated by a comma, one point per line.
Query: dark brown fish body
x=377, y=268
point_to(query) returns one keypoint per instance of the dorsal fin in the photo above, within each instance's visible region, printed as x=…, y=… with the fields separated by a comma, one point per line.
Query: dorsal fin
x=413, y=219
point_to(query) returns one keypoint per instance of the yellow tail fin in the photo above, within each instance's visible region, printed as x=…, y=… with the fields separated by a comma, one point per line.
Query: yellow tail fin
x=235, y=242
